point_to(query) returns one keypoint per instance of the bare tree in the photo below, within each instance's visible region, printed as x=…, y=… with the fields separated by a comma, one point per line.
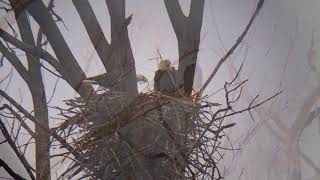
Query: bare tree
x=175, y=134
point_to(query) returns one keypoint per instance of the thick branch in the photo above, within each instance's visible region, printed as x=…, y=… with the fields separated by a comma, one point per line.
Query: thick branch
x=196, y=14
x=10, y=171
x=27, y=37
x=93, y=29
x=117, y=16
x=121, y=65
x=15, y=62
x=187, y=30
x=74, y=74
x=20, y=5
x=34, y=51
x=177, y=18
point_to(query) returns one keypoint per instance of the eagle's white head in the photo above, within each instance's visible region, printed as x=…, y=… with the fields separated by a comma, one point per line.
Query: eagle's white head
x=164, y=64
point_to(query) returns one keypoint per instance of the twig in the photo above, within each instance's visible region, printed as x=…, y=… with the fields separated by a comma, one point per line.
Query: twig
x=62, y=141
x=18, y=154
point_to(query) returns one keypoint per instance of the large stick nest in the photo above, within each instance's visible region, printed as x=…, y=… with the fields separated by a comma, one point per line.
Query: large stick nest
x=117, y=138
x=153, y=134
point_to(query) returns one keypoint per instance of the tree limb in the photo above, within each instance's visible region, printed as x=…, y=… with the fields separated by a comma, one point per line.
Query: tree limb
x=18, y=154
x=16, y=115
x=231, y=50
x=15, y=62
x=93, y=29
x=187, y=30
x=177, y=18
x=73, y=72
x=29, y=49
x=63, y=142
x=10, y=171
x=121, y=65
x=196, y=14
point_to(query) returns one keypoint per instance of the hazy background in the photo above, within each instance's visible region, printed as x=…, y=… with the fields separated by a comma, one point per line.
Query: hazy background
x=277, y=53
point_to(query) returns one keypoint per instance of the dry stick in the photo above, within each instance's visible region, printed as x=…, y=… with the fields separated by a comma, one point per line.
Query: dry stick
x=29, y=49
x=63, y=142
x=239, y=40
x=18, y=154
x=15, y=114
x=230, y=114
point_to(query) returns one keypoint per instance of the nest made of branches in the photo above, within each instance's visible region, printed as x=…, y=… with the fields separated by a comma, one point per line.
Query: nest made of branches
x=117, y=138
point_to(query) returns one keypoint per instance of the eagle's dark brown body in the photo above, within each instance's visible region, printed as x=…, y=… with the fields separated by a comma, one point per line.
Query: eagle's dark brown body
x=164, y=77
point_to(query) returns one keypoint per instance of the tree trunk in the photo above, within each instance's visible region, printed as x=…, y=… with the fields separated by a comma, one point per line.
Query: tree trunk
x=116, y=56
x=42, y=138
x=187, y=30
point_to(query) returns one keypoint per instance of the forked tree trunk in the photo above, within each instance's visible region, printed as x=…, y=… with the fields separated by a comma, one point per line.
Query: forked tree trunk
x=116, y=56
x=162, y=157
x=119, y=63
x=188, y=31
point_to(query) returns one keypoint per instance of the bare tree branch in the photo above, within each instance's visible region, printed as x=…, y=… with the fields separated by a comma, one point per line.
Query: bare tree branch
x=29, y=49
x=10, y=171
x=62, y=141
x=16, y=115
x=18, y=154
x=121, y=65
x=14, y=60
x=177, y=18
x=187, y=30
x=93, y=29
x=20, y=5
x=73, y=72
x=196, y=14
x=231, y=50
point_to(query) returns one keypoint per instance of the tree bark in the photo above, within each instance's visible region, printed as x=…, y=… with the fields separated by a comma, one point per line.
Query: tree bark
x=116, y=56
x=94, y=31
x=10, y=171
x=74, y=74
x=121, y=65
x=187, y=30
x=42, y=138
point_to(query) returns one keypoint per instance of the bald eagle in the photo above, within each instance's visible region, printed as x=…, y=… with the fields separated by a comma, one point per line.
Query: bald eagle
x=164, y=78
